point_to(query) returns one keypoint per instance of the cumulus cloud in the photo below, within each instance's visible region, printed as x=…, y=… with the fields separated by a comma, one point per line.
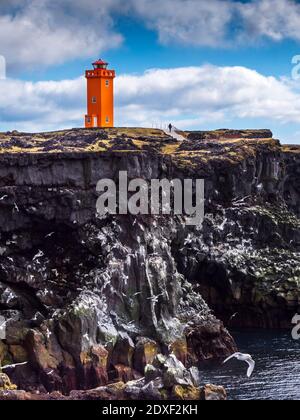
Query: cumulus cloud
x=190, y=97
x=276, y=20
x=209, y=93
x=220, y=23
x=190, y=22
x=50, y=32
x=41, y=106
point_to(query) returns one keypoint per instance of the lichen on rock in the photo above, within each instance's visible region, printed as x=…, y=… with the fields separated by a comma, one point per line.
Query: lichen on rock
x=89, y=301
x=5, y=383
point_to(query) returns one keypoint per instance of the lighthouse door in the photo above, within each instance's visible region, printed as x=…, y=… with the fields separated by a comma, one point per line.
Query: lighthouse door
x=95, y=121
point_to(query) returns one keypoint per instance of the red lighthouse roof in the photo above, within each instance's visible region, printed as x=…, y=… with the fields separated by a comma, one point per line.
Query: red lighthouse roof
x=100, y=63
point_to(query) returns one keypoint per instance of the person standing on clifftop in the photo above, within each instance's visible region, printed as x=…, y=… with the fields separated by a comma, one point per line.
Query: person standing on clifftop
x=170, y=127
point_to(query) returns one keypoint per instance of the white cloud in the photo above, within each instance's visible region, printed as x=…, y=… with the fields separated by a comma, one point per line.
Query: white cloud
x=191, y=22
x=234, y=92
x=41, y=106
x=190, y=97
x=35, y=33
x=277, y=20
x=220, y=23
x=40, y=33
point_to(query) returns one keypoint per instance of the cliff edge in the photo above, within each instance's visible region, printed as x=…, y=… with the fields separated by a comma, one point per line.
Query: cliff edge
x=91, y=300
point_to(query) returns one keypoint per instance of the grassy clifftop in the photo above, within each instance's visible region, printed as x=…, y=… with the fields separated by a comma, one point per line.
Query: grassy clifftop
x=126, y=139
x=199, y=148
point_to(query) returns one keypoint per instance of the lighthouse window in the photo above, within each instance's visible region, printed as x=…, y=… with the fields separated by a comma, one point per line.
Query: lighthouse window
x=94, y=100
x=107, y=120
x=107, y=83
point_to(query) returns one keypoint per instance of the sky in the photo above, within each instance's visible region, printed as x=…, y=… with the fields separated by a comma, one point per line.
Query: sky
x=196, y=63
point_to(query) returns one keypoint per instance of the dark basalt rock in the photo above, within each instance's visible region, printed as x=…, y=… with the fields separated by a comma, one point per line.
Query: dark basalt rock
x=229, y=134
x=166, y=379
x=121, y=392
x=78, y=292
x=81, y=287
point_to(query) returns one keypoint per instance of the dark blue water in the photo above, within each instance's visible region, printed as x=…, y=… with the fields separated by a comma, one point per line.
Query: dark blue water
x=277, y=373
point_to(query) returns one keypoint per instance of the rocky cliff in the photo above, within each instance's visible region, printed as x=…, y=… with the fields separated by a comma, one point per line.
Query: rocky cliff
x=91, y=300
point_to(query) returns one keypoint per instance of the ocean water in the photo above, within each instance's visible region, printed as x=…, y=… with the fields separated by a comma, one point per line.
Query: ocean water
x=277, y=372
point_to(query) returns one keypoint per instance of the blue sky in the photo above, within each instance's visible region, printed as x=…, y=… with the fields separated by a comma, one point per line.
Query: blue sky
x=141, y=51
x=219, y=64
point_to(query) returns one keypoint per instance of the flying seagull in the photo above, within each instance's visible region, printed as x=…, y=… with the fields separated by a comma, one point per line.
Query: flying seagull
x=243, y=358
x=13, y=366
x=154, y=298
x=49, y=235
x=40, y=254
x=233, y=316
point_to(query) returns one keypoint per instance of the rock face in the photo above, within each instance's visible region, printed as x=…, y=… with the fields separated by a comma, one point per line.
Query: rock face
x=247, y=267
x=5, y=383
x=91, y=300
x=229, y=134
x=117, y=391
x=166, y=379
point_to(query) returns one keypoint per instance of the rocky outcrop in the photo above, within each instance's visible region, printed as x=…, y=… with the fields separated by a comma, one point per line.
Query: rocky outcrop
x=5, y=383
x=245, y=262
x=291, y=179
x=225, y=134
x=114, y=392
x=90, y=300
x=166, y=379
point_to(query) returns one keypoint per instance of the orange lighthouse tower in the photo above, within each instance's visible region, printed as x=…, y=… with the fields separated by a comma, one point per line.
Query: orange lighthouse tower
x=100, y=96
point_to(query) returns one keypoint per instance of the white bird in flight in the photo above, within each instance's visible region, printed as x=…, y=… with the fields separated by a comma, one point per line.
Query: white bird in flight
x=154, y=298
x=40, y=254
x=49, y=235
x=243, y=358
x=233, y=316
x=13, y=366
